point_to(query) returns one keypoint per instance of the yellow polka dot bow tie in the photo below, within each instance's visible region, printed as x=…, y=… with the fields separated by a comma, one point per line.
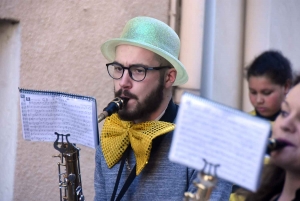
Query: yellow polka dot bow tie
x=116, y=136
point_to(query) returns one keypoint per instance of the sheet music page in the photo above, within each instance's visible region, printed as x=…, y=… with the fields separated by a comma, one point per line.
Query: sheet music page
x=219, y=135
x=42, y=115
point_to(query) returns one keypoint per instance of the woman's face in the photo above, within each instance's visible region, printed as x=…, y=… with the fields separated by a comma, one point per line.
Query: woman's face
x=287, y=127
x=265, y=96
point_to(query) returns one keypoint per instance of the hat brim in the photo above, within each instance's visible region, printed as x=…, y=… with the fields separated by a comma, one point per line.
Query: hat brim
x=108, y=50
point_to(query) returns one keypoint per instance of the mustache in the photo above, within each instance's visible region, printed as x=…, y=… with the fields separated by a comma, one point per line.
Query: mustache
x=126, y=93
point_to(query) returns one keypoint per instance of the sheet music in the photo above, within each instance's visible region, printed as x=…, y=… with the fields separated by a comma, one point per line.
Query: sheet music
x=234, y=140
x=44, y=113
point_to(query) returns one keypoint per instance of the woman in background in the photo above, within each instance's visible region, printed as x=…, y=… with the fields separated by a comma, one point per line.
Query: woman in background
x=281, y=178
x=269, y=79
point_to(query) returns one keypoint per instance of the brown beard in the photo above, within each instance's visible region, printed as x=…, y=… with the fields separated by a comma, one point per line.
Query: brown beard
x=143, y=109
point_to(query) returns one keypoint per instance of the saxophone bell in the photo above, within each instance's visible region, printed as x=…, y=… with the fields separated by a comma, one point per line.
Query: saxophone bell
x=114, y=106
x=275, y=144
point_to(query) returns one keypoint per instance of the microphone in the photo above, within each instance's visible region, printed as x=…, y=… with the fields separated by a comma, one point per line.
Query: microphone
x=114, y=106
x=275, y=144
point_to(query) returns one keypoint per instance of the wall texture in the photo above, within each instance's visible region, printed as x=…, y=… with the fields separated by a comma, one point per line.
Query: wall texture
x=60, y=50
x=271, y=24
x=9, y=81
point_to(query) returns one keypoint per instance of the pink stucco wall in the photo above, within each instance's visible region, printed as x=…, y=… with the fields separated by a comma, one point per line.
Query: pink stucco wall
x=60, y=51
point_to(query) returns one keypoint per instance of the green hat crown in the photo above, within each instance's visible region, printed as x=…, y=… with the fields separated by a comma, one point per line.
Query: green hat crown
x=151, y=34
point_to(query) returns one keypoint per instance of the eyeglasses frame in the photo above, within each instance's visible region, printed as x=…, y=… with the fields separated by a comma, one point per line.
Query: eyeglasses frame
x=135, y=65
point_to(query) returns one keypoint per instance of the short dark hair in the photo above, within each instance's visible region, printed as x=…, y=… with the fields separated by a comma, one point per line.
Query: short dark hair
x=272, y=182
x=162, y=62
x=273, y=65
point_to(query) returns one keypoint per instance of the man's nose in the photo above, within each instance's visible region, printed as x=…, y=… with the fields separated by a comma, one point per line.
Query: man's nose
x=125, y=81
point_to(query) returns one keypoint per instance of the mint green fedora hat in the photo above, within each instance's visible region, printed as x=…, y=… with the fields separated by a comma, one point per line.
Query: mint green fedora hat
x=153, y=35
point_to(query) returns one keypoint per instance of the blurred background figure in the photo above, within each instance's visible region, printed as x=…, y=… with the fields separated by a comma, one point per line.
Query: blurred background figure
x=281, y=180
x=269, y=79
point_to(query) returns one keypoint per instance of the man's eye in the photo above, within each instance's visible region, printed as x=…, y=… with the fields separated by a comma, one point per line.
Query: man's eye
x=118, y=68
x=138, y=70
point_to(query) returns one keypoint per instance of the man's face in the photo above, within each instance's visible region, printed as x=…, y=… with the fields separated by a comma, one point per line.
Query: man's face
x=144, y=97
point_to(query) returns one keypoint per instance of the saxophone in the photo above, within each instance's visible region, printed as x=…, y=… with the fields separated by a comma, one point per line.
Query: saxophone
x=114, y=106
x=204, y=188
x=70, y=185
x=205, y=184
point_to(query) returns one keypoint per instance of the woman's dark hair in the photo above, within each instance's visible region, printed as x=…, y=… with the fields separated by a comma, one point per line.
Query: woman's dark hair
x=271, y=184
x=296, y=79
x=273, y=65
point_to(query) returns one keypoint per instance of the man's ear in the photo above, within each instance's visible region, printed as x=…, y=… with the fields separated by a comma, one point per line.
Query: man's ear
x=170, y=77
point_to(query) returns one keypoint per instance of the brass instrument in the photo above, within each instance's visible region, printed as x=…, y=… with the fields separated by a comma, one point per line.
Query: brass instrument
x=275, y=144
x=70, y=184
x=114, y=106
x=205, y=185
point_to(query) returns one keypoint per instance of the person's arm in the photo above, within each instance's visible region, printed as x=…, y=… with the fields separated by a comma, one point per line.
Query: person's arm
x=99, y=183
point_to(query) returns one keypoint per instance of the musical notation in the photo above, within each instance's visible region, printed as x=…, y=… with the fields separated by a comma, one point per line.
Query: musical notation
x=235, y=140
x=44, y=113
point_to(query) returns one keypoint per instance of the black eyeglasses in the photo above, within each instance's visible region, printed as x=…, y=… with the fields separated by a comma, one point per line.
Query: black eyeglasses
x=136, y=72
